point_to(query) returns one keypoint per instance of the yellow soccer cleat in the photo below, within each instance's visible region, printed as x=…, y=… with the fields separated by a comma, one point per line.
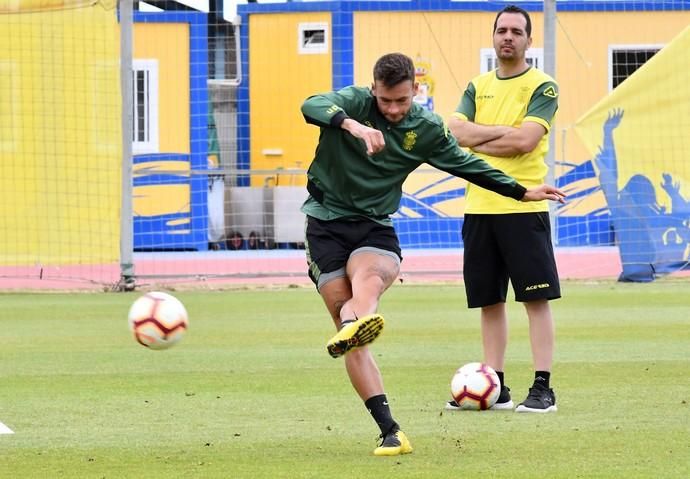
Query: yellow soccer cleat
x=355, y=335
x=394, y=444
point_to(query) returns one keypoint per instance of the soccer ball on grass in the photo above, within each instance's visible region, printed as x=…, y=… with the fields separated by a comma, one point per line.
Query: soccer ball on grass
x=158, y=320
x=475, y=386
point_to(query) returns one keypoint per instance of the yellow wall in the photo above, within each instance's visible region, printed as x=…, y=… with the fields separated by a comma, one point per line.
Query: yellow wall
x=23, y=6
x=169, y=44
x=279, y=80
x=582, y=61
x=451, y=42
x=60, y=136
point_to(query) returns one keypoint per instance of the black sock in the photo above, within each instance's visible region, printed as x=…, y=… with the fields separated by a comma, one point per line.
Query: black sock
x=500, y=378
x=381, y=412
x=542, y=378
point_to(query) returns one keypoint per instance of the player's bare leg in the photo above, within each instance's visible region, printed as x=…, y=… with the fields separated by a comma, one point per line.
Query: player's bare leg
x=494, y=322
x=541, y=334
x=541, y=397
x=368, y=276
x=371, y=274
x=364, y=373
x=494, y=335
x=361, y=368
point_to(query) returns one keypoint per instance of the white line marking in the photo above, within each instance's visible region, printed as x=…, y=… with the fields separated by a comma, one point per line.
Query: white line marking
x=5, y=430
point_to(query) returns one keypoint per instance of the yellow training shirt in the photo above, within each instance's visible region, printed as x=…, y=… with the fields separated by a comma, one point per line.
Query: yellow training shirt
x=490, y=100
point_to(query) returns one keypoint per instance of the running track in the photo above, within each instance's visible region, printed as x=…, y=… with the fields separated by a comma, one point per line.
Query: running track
x=273, y=267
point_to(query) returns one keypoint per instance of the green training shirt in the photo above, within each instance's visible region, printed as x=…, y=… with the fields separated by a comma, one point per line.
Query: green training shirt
x=343, y=181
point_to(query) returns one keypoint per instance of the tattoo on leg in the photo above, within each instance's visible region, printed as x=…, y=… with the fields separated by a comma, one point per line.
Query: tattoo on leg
x=387, y=276
x=338, y=306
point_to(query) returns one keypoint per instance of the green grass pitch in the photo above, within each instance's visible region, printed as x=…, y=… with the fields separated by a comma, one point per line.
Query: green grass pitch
x=250, y=392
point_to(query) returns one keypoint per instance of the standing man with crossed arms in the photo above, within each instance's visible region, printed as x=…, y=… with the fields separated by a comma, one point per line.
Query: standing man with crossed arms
x=504, y=117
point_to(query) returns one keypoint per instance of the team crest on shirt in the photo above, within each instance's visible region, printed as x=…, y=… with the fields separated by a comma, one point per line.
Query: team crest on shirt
x=551, y=92
x=409, y=141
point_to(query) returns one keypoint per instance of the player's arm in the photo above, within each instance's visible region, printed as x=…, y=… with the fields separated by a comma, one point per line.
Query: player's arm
x=334, y=110
x=449, y=157
x=517, y=141
x=470, y=134
x=536, y=123
x=462, y=124
x=372, y=138
x=328, y=110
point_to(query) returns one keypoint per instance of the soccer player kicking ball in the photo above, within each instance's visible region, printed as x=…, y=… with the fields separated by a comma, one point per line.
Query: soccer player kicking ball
x=371, y=140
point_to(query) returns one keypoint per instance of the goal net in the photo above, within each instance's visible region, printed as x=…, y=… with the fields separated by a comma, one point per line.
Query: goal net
x=208, y=125
x=60, y=142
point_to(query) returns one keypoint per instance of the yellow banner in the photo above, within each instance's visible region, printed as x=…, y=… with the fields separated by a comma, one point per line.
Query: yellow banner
x=653, y=136
x=60, y=138
x=639, y=137
x=27, y=6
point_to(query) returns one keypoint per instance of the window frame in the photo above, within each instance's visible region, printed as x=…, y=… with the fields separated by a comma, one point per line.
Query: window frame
x=486, y=54
x=627, y=47
x=151, y=110
x=318, y=48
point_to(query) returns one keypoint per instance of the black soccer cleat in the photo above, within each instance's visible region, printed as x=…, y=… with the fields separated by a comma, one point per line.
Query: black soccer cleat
x=393, y=444
x=504, y=402
x=540, y=399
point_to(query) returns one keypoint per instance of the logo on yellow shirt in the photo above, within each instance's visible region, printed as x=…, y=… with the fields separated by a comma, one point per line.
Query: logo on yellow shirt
x=551, y=92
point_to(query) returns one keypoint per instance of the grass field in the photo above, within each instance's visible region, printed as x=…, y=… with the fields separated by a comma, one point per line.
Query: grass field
x=251, y=393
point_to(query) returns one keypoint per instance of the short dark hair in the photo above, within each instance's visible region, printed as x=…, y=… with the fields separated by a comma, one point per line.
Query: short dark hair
x=516, y=9
x=394, y=68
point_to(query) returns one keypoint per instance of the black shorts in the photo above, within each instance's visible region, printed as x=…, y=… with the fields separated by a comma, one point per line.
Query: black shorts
x=329, y=245
x=514, y=246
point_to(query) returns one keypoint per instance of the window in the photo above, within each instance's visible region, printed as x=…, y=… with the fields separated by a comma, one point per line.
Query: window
x=624, y=60
x=145, y=106
x=313, y=38
x=488, y=60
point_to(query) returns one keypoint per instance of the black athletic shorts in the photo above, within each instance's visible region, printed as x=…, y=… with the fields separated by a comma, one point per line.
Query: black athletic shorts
x=514, y=246
x=329, y=244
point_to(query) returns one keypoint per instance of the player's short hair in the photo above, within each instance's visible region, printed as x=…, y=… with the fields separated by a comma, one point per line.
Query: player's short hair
x=516, y=9
x=394, y=68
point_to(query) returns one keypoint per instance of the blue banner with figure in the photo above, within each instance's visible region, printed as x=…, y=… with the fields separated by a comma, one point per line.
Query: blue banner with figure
x=639, y=136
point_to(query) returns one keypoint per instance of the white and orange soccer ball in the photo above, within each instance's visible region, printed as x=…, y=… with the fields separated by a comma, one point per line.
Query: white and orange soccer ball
x=475, y=386
x=158, y=320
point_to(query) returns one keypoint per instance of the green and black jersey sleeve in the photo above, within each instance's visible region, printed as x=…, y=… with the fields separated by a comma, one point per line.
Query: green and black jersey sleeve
x=449, y=157
x=468, y=106
x=330, y=109
x=344, y=181
x=544, y=102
